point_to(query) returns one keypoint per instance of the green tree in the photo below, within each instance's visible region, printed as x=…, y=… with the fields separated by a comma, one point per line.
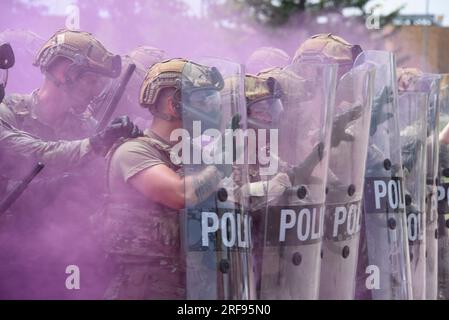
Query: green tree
x=278, y=12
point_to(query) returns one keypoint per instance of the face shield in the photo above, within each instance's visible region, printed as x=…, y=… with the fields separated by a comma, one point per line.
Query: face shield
x=203, y=105
x=200, y=94
x=208, y=100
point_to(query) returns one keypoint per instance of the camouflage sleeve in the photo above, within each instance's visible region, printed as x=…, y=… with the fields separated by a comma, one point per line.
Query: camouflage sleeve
x=7, y=115
x=58, y=154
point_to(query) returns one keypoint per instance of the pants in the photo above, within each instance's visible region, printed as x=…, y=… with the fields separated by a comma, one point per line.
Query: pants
x=158, y=279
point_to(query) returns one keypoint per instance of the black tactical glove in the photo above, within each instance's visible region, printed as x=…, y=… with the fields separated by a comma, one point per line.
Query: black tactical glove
x=303, y=171
x=341, y=123
x=410, y=152
x=378, y=115
x=120, y=127
x=226, y=168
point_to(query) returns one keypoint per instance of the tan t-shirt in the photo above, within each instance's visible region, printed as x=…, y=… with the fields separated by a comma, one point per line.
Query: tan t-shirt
x=133, y=157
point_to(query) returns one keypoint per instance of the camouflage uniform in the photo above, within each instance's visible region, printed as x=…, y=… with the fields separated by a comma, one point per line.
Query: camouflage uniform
x=58, y=199
x=18, y=111
x=141, y=238
x=19, y=147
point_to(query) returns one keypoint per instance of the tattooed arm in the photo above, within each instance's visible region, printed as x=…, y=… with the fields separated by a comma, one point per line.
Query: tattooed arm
x=161, y=184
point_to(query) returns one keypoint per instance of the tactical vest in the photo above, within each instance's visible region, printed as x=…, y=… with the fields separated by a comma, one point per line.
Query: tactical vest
x=137, y=226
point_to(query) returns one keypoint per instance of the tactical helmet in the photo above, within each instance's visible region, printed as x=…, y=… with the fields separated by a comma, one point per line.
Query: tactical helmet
x=327, y=47
x=86, y=53
x=188, y=78
x=263, y=101
x=267, y=57
x=288, y=81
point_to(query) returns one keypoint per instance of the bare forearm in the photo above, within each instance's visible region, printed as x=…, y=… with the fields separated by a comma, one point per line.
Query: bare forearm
x=201, y=185
x=161, y=184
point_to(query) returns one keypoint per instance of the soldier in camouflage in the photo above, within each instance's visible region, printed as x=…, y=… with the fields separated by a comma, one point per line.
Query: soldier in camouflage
x=27, y=136
x=21, y=147
x=32, y=128
x=146, y=189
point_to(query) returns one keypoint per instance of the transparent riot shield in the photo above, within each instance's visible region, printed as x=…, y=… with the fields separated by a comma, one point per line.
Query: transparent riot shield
x=215, y=220
x=413, y=125
x=443, y=199
x=383, y=270
x=293, y=221
x=431, y=85
x=345, y=178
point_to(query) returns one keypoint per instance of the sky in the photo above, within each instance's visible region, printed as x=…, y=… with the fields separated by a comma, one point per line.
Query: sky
x=436, y=7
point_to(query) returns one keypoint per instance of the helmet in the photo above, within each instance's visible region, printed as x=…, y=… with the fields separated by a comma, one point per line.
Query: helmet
x=267, y=57
x=86, y=53
x=263, y=101
x=196, y=82
x=144, y=56
x=286, y=80
x=327, y=47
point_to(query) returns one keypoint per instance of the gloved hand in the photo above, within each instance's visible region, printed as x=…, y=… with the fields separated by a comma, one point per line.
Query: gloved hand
x=410, y=151
x=341, y=123
x=120, y=127
x=304, y=170
x=226, y=168
x=378, y=115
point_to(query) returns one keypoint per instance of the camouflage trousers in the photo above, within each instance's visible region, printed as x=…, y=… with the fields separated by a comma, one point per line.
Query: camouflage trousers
x=141, y=279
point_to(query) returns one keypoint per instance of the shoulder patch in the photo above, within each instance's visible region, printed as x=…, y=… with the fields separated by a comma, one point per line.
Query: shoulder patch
x=19, y=104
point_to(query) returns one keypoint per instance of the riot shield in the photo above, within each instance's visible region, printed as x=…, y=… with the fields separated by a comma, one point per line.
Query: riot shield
x=443, y=202
x=215, y=225
x=413, y=125
x=344, y=190
x=432, y=88
x=383, y=270
x=293, y=221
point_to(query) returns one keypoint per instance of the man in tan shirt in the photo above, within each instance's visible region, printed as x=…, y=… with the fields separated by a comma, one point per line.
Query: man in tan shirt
x=147, y=188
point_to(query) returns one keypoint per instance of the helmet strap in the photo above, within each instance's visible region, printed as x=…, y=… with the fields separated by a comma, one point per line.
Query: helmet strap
x=164, y=116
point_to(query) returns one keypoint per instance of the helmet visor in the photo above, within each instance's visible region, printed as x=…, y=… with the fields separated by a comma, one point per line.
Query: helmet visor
x=206, y=100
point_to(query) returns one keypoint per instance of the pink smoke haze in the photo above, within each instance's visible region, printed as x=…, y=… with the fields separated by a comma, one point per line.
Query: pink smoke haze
x=34, y=256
